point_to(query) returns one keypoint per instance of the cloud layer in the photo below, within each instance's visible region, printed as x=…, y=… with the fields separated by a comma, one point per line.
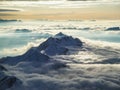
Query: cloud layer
x=77, y=75
x=9, y=10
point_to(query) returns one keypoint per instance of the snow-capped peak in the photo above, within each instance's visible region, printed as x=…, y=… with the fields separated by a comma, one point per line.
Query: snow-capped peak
x=60, y=35
x=58, y=44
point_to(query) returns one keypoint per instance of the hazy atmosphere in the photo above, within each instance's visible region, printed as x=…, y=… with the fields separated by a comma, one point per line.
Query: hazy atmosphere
x=60, y=45
x=61, y=9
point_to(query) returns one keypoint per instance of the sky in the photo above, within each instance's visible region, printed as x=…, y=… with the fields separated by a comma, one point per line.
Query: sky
x=60, y=9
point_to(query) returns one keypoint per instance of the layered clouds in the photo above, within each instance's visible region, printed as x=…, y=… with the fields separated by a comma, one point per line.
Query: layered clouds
x=74, y=76
x=61, y=9
x=23, y=35
x=94, y=66
x=78, y=77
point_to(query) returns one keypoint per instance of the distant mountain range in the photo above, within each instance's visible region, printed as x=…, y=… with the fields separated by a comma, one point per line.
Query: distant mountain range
x=11, y=20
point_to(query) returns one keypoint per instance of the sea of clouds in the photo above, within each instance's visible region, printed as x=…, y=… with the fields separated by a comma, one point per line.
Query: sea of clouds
x=95, y=66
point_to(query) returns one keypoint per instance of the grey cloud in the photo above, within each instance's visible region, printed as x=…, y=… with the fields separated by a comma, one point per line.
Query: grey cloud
x=72, y=80
x=9, y=10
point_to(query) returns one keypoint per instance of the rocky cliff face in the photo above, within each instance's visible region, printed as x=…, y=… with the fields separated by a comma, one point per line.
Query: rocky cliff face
x=58, y=44
x=6, y=80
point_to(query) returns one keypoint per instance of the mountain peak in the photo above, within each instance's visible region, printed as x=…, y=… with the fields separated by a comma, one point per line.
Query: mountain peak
x=59, y=35
x=57, y=45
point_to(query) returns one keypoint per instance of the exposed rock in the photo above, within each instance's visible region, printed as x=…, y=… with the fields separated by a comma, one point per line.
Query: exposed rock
x=55, y=50
x=34, y=55
x=2, y=68
x=22, y=30
x=113, y=29
x=12, y=20
x=58, y=44
x=6, y=80
x=58, y=65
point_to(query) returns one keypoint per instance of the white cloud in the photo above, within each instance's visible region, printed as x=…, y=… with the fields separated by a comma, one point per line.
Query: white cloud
x=58, y=3
x=77, y=77
x=20, y=50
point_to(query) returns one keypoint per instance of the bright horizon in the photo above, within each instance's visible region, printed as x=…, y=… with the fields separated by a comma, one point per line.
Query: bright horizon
x=61, y=10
